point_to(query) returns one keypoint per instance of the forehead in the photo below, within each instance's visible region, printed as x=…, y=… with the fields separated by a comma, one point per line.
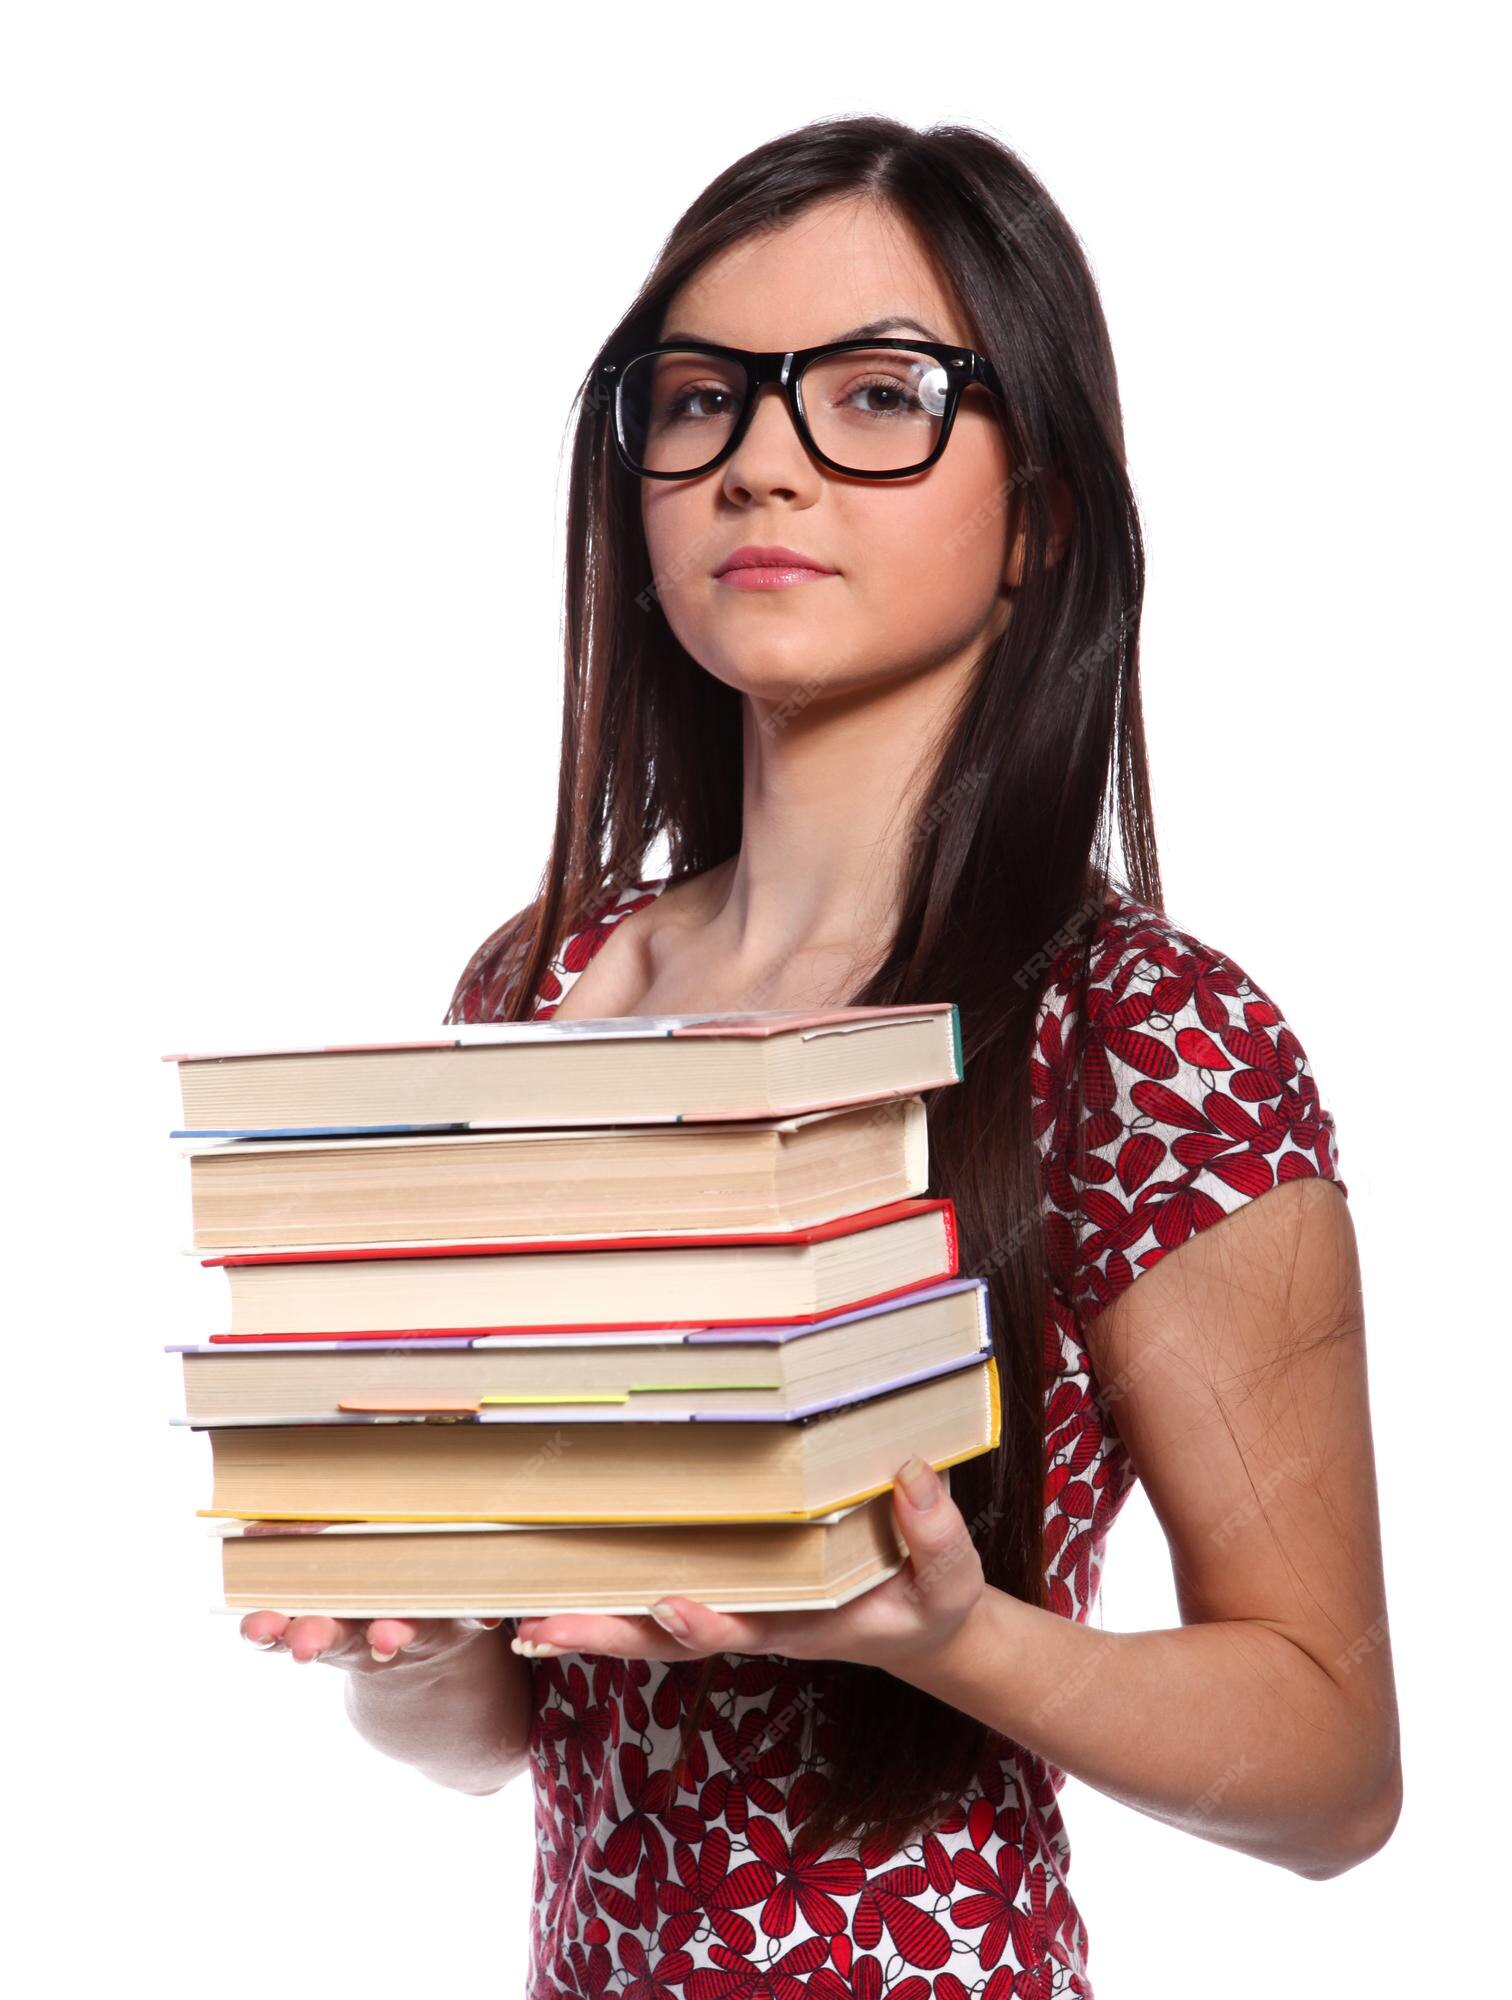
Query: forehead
x=813, y=277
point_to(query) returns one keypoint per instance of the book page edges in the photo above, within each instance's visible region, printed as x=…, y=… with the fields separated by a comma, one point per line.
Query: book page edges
x=236, y=1524
x=642, y=1520
x=544, y=1610
x=851, y=1224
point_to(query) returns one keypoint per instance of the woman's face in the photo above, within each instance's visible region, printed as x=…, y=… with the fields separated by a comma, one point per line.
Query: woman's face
x=921, y=563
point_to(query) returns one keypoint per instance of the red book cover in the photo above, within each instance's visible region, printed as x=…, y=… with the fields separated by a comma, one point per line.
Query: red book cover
x=844, y=1225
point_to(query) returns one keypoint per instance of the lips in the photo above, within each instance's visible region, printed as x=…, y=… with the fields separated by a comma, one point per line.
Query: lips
x=773, y=558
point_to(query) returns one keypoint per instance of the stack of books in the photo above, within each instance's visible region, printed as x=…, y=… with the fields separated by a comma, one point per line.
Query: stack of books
x=566, y=1315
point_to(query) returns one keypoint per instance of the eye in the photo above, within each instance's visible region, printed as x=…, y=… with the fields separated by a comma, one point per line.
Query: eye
x=887, y=393
x=690, y=400
x=876, y=390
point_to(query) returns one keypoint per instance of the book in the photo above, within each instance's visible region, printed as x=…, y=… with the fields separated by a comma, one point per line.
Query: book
x=489, y=1569
x=588, y=1284
x=704, y=1371
x=518, y=1466
x=778, y=1173
x=619, y=1069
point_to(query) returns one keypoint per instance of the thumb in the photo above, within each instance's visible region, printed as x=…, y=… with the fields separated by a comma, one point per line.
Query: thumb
x=929, y=1519
x=942, y=1557
x=924, y=1506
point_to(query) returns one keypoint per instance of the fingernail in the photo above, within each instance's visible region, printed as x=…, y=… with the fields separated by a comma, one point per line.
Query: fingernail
x=535, y=1649
x=383, y=1658
x=920, y=1482
x=267, y=1641
x=670, y=1619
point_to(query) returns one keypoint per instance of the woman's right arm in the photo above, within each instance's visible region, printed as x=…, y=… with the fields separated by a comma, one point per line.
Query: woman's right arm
x=446, y=1695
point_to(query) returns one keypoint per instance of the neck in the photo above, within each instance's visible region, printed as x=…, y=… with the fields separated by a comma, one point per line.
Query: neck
x=830, y=801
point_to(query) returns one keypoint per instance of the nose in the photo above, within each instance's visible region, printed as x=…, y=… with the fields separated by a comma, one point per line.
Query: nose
x=771, y=453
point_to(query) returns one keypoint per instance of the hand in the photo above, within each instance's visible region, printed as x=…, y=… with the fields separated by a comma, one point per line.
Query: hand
x=892, y=1625
x=366, y=1648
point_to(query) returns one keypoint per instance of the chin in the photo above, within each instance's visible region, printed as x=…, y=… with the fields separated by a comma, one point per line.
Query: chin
x=797, y=678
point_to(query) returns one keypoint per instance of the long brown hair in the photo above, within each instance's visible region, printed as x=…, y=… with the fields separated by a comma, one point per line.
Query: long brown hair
x=1009, y=858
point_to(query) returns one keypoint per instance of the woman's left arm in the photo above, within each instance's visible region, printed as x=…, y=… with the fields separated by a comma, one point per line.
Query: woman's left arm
x=1267, y=1721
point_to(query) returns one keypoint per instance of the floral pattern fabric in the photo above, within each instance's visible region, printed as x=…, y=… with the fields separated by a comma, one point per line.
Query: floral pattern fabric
x=653, y=1883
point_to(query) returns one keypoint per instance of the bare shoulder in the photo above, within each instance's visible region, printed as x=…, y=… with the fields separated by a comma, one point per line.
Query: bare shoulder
x=695, y=898
x=624, y=959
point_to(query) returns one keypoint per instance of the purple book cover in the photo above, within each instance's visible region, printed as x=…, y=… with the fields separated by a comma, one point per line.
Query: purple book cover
x=773, y=1335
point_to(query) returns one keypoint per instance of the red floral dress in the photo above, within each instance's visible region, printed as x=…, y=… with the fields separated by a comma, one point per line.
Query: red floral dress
x=1197, y=1097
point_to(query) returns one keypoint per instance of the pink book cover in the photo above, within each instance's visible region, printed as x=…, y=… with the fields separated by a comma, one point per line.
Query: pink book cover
x=609, y=1027
x=813, y=1232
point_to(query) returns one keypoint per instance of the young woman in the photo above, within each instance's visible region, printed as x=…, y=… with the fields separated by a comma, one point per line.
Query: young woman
x=853, y=604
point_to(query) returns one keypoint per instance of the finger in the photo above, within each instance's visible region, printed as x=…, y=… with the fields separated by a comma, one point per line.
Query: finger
x=264, y=1628
x=312, y=1634
x=700, y=1629
x=624, y=1638
x=653, y=1638
x=388, y=1637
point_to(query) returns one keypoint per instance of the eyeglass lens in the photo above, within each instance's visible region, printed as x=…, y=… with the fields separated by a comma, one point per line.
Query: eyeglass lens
x=873, y=409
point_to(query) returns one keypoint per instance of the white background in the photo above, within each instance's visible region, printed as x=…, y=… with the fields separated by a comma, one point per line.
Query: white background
x=295, y=296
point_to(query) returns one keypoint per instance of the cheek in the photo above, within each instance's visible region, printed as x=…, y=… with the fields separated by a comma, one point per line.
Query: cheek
x=935, y=560
x=682, y=546
x=682, y=542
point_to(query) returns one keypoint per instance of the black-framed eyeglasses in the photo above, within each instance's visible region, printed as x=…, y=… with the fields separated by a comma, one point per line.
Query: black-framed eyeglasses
x=874, y=409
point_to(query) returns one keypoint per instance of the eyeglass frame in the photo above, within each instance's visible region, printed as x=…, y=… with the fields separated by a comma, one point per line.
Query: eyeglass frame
x=785, y=368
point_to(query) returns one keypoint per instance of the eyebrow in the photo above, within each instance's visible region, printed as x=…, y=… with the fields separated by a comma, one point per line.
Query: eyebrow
x=872, y=330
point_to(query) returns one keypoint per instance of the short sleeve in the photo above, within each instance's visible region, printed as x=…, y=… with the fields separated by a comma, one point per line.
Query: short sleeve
x=485, y=987
x=1197, y=1096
